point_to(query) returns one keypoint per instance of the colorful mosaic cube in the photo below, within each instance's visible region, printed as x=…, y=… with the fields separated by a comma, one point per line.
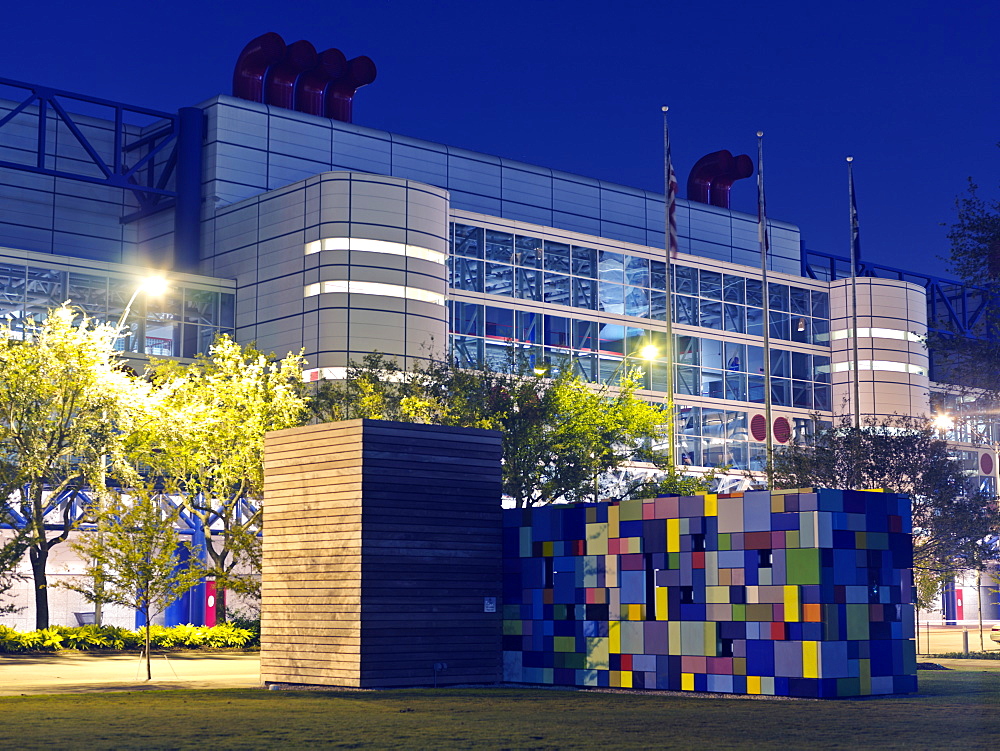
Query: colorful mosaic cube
x=790, y=593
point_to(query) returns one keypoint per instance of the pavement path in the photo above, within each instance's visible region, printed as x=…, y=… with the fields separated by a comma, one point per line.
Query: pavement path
x=84, y=672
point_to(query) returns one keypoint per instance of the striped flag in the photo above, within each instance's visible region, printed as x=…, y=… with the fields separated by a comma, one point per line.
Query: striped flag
x=673, y=246
x=855, y=227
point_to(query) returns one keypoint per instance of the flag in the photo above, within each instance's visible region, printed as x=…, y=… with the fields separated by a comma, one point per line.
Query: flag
x=855, y=227
x=762, y=234
x=673, y=246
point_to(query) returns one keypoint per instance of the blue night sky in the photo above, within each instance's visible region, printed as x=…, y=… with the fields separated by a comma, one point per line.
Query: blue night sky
x=910, y=89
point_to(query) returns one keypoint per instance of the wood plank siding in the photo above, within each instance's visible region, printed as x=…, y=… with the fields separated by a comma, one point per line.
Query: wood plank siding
x=381, y=541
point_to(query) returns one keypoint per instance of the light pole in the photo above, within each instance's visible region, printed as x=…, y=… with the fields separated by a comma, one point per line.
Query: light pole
x=155, y=286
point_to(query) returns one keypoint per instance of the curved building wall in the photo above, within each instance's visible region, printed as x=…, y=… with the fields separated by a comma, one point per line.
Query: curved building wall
x=892, y=354
x=340, y=265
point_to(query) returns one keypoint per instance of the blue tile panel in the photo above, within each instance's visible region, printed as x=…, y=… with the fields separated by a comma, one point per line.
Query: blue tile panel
x=801, y=593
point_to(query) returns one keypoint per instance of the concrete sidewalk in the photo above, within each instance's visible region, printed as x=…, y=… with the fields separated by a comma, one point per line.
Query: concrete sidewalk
x=83, y=672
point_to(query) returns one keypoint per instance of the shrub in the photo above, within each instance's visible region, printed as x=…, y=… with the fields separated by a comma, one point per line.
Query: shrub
x=93, y=637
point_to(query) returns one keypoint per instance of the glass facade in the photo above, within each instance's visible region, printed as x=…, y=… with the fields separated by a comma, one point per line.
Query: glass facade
x=597, y=352
x=529, y=268
x=180, y=323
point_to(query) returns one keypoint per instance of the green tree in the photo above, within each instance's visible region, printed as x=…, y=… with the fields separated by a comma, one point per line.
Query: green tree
x=209, y=448
x=971, y=358
x=559, y=434
x=135, y=554
x=953, y=524
x=11, y=553
x=67, y=406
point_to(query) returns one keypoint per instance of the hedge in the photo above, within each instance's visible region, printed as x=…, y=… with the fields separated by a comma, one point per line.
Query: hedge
x=95, y=637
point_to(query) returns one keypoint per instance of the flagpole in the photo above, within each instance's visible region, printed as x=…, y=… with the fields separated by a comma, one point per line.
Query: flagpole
x=855, y=243
x=763, y=239
x=670, y=248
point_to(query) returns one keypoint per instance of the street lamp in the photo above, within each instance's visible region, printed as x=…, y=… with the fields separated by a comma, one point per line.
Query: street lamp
x=943, y=422
x=152, y=285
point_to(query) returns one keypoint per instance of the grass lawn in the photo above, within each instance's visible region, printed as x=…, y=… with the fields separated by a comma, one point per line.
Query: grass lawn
x=956, y=708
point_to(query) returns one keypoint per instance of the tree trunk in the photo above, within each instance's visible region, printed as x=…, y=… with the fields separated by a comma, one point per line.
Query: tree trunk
x=149, y=669
x=979, y=601
x=39, y=556
x=220, y=603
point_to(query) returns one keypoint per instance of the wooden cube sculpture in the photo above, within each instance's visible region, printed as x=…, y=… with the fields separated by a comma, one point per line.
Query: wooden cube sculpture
x=382, y=555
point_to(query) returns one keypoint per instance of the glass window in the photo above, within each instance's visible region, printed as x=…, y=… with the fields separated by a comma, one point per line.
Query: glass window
x=711, y=314
x=612, y=298
x=88, y=292
x=658, y=275
x=528, y=284
x=658, y=305
x=736, y=357
x=820, y=304
x=609, y=369
x=584, y=262
x=585, y=335
x=467, y=274
x=611, y=267
x=820, y=331
x=468, y=241
x=585, y=367
x=781, y=392
x=755, y=293
x=467, y=318
x=688, y=380
x=557, y=257
x=755, y=389
x=44, y=290
x=499, y=246
x=687, y=350
x=200, y=306
x=557, y=289
x=802, y=395
x=713, y=384
x=467, y=352
x=780, y=326
x=736, y=386
x=687, y=310
x=612, y=338
x=636, y=271
x=734, y=289
x=227, y=310
x=711, y=284
x=777, y=295
x=584, y=293
x=527, y=327
x=802, y=366
x=686, y=280
x=162, y=338
x=799, y=301
x=821, y=368
x=755, y=321
x=499, y=279
x=711, y=353
x=499, y=323
x=781, y=365
x=755, y=359
x=528, y=252
x=821, y=397
x=12, y=280
x=801, y=329
x=557, y=331
x=497, y=355
x=734, y=318
x=637, y=302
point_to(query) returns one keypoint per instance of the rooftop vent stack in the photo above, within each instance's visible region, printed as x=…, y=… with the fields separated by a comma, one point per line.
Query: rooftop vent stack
x=282, y=77
x=253, y=65
x=712, y=177
x=340, y=93
x=311, y=86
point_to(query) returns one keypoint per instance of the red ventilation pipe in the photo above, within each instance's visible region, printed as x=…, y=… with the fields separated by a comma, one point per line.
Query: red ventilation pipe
x=713, y=175
x=282, y=77
x=310, y=89
x=253, y=64
x=340, y=93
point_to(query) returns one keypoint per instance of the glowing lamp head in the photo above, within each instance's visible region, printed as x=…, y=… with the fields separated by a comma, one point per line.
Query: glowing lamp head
x=943, y=422
x=154, y=286
x=649, y=352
